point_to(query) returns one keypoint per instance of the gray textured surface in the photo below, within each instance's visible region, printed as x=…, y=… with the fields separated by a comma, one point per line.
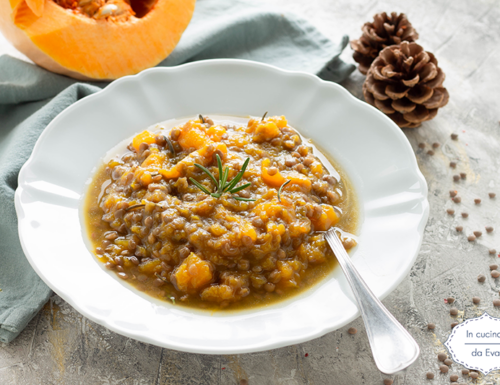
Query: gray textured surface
x=62, y=347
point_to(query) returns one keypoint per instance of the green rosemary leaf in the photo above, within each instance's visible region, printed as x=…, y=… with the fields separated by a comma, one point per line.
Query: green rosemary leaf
x=244, y=199
x=231, y=184
x=201, y=118
x=222, y=185
x=206, y=171
x=281, y=188
x=263, y=116
x=200, y=186
x=224, y=179
x=161, y=277
x=238, y=177
x=170, y=145
x=219, y=165
x=244, y=186
x=135, y=206
x=245, y=164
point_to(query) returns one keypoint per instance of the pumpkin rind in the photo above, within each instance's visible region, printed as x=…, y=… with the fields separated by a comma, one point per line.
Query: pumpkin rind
x=72, y=44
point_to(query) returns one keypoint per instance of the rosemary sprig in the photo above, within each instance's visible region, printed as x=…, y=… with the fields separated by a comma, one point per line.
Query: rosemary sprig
x=244, y=199
x=263, y=116
x=170, y=146
x=135, y=206
x=161, y=277
x=281, y=188
x=206, y=171
x=201, y=118
x=223, y=185
x=200, y=186
x=238, y=177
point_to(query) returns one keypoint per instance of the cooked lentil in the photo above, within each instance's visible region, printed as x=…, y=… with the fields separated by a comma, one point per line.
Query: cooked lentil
x=168, y=238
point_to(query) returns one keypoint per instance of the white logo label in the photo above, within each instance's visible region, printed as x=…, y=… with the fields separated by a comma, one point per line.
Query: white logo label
x=475, y=343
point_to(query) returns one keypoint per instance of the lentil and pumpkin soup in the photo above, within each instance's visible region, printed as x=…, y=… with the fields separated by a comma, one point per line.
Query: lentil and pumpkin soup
x=217, y=215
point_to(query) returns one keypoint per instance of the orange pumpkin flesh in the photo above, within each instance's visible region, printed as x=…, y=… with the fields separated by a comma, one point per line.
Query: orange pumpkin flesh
x=85, y=43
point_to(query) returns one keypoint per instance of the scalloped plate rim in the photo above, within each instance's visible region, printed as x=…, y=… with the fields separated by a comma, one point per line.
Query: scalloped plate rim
x=215, y=350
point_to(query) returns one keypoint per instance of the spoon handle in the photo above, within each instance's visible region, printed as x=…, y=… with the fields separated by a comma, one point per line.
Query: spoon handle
x=393, y=348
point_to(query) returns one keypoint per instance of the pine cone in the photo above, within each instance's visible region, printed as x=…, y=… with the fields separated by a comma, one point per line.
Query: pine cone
x=383, y=32
x=405, y=83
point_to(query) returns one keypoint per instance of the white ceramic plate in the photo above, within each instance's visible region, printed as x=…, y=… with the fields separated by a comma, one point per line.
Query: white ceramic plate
x=368, y=145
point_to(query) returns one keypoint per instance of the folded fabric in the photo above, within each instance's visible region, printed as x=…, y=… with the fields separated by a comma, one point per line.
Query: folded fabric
x=30, y=97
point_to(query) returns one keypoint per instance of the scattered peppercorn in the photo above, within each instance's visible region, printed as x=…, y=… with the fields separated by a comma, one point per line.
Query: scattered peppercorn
x=465, y=215
x=421, y=145
x=463, y=175
x=471, y=238
x=444, y=369
x=478, y=233
x=489, y=229
x=476, y=300
x=431, y=326
x=453, y=324
x=477, y=201
x=481, y=278
x=459, y=228
x=453, y=164
x=352, y=331
x=454, y=136
x=495, y=274
x=492, y=195
x=456, y=178
x=442, y=356
x=450, y=211
x=430, y=152
x=457, y=199
x=435, y=145
x=429, y=375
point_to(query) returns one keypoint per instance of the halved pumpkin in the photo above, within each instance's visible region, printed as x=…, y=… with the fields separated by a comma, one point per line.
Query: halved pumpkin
x=95, y=39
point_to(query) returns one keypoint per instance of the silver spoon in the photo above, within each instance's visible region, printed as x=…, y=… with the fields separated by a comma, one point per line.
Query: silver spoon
x=393, y=348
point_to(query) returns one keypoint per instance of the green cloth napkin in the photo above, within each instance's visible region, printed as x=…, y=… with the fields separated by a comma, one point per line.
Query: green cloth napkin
x=30, y=97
